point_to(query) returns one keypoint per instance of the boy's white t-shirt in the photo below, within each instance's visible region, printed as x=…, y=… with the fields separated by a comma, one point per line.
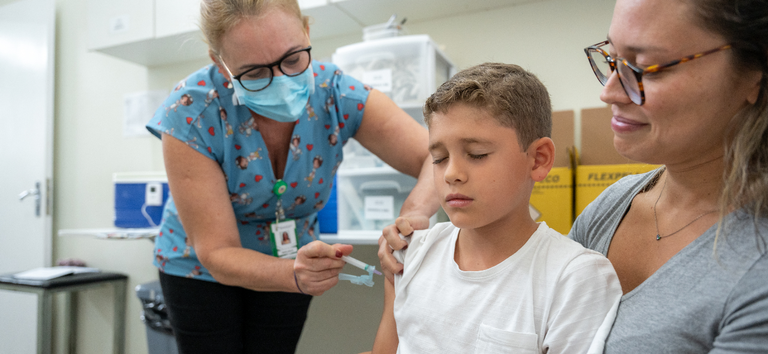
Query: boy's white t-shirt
x=551, y=296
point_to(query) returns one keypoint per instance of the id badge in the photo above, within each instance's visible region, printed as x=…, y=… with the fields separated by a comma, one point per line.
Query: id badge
x=283, y=238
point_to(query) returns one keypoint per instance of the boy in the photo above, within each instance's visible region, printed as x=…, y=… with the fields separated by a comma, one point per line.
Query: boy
x=493, y=280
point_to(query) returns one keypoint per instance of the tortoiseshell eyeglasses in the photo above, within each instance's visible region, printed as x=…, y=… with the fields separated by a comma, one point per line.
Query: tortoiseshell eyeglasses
x=631, y=76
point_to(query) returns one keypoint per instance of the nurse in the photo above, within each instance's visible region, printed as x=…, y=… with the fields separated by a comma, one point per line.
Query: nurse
x=251, y=145
x=687, y=82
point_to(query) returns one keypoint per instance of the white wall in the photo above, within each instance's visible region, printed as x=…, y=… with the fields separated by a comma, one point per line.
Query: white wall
x=545, y=37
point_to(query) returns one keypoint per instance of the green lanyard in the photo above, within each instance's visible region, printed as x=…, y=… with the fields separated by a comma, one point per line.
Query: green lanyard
x=279, y=189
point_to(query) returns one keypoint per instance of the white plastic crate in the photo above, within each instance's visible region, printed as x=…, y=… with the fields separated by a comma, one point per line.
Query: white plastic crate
x=370, y=199
x=406, y=68
x=356, y=156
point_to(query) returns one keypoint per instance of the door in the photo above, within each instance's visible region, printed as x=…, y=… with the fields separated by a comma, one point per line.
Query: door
x=26, y=158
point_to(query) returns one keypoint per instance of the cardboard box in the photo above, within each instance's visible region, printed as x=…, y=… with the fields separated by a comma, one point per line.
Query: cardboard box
x=552, y=198
x=591, y=180
x=600, y=165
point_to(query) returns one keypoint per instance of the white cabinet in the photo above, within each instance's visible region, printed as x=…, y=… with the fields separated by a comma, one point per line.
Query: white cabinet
x=117, y=22
x=157, y=32
x=173, y=17
x=147, y=32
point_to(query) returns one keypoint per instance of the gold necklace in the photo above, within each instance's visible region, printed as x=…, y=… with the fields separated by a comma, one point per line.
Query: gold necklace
x=656, y=221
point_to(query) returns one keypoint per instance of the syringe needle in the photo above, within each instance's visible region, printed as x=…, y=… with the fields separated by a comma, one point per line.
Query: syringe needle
x=358, y=264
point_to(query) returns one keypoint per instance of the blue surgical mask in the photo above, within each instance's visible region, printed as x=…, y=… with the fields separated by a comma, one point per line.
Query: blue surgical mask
x=284, y=100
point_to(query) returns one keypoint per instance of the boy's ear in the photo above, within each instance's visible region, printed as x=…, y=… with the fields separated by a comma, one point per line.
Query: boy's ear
x=542, y=154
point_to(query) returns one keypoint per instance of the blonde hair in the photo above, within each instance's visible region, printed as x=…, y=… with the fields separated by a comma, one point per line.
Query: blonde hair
x=217, y=17
x=745, y=180
x=512, y=95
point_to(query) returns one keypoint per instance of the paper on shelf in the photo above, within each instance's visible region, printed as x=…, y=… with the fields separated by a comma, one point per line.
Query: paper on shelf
x=47, y=273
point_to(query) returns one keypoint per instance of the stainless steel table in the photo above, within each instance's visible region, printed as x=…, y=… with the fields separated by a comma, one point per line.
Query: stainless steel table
x=70, y=285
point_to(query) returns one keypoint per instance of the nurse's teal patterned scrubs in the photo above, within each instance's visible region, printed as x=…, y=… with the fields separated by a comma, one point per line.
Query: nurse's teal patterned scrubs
x=203, y=112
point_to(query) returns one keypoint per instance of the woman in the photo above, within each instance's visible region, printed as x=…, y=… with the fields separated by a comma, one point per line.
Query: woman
x=688, y=241
x=247, y=153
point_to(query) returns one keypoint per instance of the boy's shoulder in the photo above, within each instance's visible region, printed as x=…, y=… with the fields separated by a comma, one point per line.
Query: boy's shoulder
x=419, y=245
x=560, y=243
x=568, y=263
x=420, y=238
x=564, y=250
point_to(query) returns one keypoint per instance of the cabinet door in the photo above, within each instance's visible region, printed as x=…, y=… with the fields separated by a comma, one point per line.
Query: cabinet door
x=116, y=22
x=176, y=17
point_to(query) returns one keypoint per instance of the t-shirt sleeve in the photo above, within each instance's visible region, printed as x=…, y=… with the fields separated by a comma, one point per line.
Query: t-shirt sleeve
x=744, y=328
x=191, y=114
x=584, y=306
x=419, y=244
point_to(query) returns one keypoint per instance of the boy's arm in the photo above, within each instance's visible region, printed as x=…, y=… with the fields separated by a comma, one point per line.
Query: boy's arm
x=386, y=338
x=584, y=306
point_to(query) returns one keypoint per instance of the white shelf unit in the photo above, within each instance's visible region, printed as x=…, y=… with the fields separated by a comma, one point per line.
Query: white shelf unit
x=159, y=32
x=150, y=234
x=113, y=233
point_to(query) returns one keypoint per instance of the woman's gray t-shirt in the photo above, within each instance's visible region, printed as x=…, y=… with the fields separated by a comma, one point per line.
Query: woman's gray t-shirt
x=696, y=302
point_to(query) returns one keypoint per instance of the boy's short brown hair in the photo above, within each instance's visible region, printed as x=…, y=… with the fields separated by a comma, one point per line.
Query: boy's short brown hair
x=514, y=96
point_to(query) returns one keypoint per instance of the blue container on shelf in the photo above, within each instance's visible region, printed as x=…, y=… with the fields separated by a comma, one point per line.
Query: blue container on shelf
x=327, y=217
x=140, y=198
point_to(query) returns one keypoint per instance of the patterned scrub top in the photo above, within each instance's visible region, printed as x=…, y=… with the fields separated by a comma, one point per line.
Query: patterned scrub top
x=203, y=112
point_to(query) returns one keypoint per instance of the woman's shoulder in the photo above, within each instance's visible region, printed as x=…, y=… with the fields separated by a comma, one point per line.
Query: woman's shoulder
x=593, y=227
x=620, y=192
x=196, y=109
x=627, y=185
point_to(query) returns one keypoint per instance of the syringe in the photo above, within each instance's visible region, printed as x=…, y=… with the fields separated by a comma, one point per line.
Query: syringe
x=359, y=264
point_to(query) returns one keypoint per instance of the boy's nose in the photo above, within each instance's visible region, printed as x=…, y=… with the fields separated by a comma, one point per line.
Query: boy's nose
x=613, y=91
x=454, y=172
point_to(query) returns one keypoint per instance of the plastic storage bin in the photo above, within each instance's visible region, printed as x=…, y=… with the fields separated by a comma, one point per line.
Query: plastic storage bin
x=406, y=68
x=384, y=30
x=140, y=198
x=160, y=339
x=370, y=199
x=356, y=156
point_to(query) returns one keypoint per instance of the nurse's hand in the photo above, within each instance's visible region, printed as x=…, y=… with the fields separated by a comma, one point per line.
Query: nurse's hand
x=318, y=265
x=390, y=241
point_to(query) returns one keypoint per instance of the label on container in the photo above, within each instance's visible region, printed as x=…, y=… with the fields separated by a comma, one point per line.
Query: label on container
x=380, y=208
x=379, y=79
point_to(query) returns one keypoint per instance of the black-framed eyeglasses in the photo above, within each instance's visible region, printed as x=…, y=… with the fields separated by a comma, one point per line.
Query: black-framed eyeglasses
x=630, y=76
x=259, y=77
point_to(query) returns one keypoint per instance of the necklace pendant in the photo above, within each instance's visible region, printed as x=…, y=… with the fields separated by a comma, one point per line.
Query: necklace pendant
x=658, y=237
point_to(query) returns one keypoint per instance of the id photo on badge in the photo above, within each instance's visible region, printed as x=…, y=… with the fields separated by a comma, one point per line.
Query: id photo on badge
x=284, y=234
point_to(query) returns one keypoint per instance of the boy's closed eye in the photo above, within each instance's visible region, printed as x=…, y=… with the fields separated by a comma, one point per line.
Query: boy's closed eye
x=472, y=156
x=477, y=156
x=437, y=161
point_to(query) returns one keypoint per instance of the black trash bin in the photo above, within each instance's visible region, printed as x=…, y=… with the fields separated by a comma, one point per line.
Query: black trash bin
x=160, y=337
